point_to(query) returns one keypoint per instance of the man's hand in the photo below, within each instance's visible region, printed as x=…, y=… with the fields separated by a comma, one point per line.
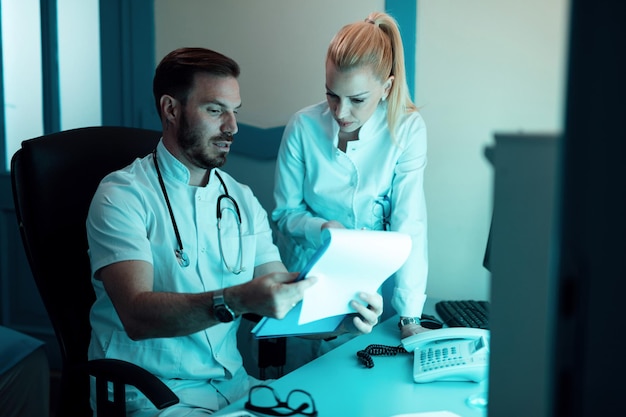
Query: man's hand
x=270, y=295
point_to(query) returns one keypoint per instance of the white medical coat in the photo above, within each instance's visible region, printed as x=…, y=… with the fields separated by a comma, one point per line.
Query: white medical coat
x=129, y=220
x=316, y=182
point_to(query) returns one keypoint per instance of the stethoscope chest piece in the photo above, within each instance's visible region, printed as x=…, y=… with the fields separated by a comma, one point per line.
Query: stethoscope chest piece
x=183, y=259
x=181, y=256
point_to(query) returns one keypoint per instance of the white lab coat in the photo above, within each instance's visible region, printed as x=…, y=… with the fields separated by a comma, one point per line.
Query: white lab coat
x=316, y=182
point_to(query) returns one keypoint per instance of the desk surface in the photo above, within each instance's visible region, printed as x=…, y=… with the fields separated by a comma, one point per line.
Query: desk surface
x=341, y=386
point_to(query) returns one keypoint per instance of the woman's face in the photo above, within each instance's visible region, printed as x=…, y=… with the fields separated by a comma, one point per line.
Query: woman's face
x=353, y=95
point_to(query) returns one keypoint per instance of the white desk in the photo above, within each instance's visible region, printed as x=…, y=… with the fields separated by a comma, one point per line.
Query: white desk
x=341, y=386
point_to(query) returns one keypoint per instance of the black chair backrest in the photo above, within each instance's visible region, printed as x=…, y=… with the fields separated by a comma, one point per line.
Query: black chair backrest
x=54, y=178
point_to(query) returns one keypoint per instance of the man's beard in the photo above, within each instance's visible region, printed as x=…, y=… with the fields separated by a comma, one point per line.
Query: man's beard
x=191, y=143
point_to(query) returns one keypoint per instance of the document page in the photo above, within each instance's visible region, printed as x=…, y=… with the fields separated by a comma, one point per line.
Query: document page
x=349, y=262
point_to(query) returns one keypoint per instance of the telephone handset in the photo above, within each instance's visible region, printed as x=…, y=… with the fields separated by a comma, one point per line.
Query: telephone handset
x=449, y=354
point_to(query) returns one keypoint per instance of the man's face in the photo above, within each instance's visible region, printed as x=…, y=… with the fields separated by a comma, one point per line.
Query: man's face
x=208, y=120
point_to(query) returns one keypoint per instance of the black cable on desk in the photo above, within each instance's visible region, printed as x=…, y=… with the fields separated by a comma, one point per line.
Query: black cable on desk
x=365, y=355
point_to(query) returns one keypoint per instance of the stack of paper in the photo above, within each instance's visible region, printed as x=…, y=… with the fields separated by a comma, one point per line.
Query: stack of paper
x=350, y=261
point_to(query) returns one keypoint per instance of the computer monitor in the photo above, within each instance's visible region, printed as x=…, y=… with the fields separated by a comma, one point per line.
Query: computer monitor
x=558, y=245
x=519, y=256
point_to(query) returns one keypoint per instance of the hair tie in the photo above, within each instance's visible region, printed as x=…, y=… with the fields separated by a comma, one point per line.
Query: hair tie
x=368, y=20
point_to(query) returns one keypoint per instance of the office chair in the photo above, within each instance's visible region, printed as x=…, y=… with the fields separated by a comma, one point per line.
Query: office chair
x=53, y=179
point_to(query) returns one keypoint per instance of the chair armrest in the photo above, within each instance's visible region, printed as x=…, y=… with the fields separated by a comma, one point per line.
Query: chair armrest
x=123, y=372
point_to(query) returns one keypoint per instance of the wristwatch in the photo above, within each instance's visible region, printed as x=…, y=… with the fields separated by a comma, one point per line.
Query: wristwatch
x=221, y=311
x=408, y=320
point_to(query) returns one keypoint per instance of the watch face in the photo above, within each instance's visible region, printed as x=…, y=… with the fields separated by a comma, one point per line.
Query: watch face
x=407, y=320
x=220, y=310
x=222, y=314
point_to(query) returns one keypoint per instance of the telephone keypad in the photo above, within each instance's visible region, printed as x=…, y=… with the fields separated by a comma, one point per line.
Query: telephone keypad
x=435, y=358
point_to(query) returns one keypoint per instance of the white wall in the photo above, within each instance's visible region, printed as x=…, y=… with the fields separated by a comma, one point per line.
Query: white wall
x=279, y=44
x=482, y=66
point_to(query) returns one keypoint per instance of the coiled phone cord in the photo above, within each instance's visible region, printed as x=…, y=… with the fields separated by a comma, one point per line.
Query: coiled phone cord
x=365, y=355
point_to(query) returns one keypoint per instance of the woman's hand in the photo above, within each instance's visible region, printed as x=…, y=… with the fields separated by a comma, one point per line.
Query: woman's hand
x=366, y=316
x=411, y=329
x=332, y=224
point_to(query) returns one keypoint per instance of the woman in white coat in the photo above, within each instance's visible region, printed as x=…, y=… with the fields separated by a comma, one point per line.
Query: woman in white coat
x=357, y=160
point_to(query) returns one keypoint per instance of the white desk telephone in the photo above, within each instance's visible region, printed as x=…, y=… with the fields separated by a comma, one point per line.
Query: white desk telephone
x=449, y=354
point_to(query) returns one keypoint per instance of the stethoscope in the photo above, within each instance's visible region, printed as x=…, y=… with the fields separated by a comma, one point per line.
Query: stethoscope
x=181, y=256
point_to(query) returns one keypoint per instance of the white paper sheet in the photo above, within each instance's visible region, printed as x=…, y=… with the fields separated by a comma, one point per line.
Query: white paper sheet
x=355, y=260
x=351, y=261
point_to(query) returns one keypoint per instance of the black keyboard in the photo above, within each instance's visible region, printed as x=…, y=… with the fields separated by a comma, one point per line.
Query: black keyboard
x=464, y=313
